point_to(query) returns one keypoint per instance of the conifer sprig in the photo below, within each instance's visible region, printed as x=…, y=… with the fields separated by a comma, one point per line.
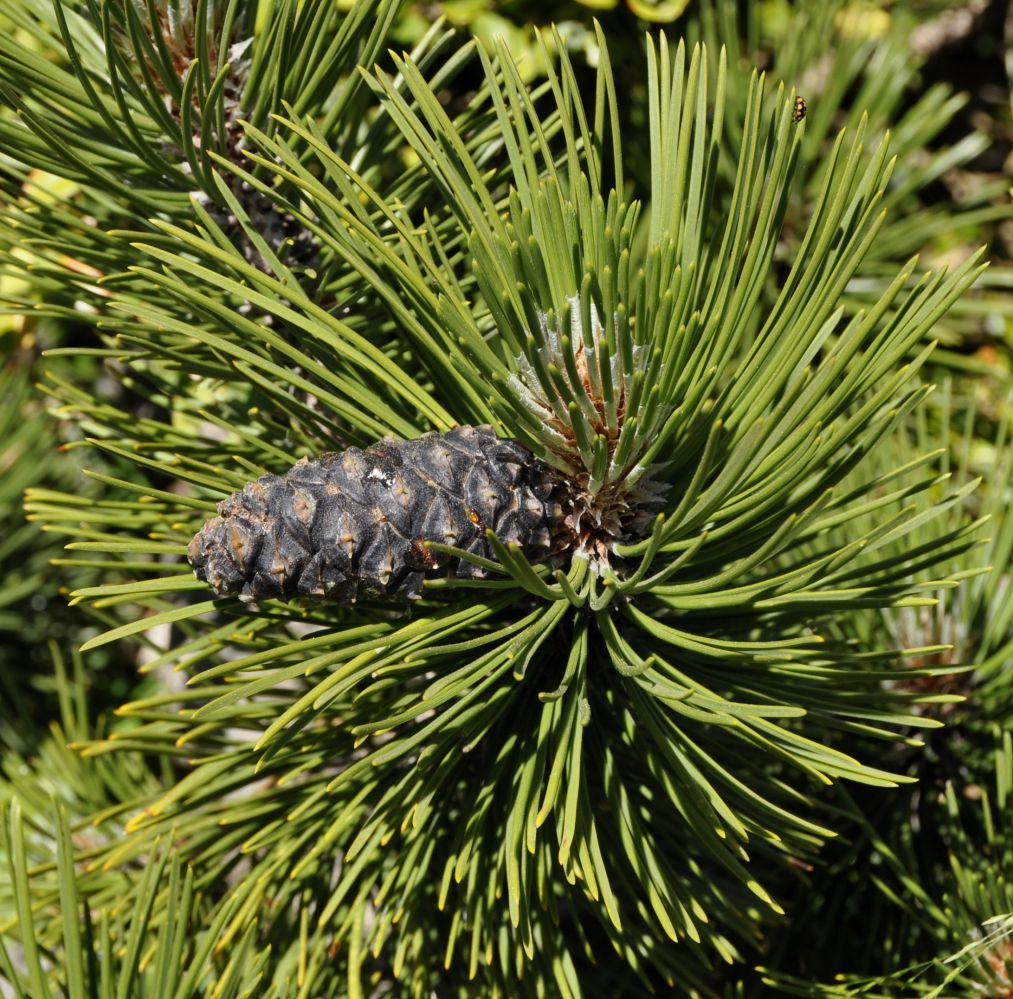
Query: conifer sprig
x=95, y=93
x=640, y=675
x=604, y=750
x=934, y=849
x=963, y=907
x=145, y=93
x=854, y=64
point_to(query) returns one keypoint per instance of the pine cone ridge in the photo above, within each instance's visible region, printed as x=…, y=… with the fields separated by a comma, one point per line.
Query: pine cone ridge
x=354, y=523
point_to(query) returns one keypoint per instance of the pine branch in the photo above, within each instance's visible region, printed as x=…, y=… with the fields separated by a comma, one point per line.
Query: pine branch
x=598, y=751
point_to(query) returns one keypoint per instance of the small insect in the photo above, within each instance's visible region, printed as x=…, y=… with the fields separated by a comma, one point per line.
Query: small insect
x=800, y=109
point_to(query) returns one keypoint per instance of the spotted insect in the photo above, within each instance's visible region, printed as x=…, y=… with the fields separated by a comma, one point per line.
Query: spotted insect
x=800, y=109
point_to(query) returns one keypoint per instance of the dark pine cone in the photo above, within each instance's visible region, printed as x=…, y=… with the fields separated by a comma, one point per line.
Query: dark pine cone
x=353, y=524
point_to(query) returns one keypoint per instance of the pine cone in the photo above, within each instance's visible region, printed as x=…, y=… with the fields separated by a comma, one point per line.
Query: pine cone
x=353, y=524
x=288, y=238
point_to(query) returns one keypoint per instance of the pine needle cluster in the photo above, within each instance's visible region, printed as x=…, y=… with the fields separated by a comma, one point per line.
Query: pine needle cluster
x=594, y=764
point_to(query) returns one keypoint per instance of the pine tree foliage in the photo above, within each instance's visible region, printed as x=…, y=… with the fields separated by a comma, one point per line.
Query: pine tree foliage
x=18, y=430
x=129, y=952
x=936, y=869
x=141, y=100
x=145, y=94
x=965, y=903
x=616, y=752
x=851, y=60
x=32, y=608
x=55, y=785
x=60, y=811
